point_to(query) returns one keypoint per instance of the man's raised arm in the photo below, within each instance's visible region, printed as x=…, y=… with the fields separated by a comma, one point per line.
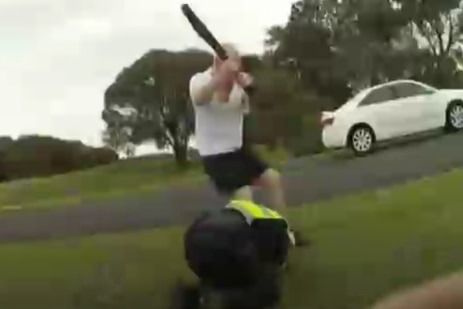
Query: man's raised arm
x=202, y=88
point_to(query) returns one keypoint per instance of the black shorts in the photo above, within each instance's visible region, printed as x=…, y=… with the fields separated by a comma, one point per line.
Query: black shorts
x=233, y=170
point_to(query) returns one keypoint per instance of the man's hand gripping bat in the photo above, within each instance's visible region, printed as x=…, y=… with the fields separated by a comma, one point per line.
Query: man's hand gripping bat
x=203, y=32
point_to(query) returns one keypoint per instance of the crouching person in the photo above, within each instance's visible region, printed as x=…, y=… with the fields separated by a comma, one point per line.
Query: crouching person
x=238, y=254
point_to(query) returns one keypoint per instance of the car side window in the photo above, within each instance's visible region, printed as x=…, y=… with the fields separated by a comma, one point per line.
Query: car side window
x=379, y=95
x=405, y=90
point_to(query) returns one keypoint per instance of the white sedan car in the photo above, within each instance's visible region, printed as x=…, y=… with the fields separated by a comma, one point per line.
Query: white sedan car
x=391, y=110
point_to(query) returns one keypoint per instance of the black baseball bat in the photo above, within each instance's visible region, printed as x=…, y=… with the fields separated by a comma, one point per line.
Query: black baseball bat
x=203, y=32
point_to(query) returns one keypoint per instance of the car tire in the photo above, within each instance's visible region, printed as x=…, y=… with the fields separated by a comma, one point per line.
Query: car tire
x=454, y=116
x=361, y=140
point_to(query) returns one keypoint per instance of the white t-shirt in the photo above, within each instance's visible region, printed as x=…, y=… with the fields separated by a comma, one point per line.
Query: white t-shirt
x=218, y=125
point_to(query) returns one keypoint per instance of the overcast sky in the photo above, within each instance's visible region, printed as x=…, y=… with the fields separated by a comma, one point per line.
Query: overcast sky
x=58, y=56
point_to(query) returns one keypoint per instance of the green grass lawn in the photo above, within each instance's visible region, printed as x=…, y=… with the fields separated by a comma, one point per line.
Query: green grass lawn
x=126, y=176
x=365, y=246
x=135, y=176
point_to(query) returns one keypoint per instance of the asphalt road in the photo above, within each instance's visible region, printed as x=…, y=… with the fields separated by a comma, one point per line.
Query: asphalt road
x=306, y=180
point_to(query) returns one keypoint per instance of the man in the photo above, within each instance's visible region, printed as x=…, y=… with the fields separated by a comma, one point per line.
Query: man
x=220, y=103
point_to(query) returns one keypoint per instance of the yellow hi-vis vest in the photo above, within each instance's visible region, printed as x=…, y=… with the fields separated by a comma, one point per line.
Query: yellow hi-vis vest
x=252, y=211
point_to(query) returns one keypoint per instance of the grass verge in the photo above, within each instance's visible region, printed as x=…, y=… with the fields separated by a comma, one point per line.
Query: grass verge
x=135, y=176
x=365, y=246
x=131, y=176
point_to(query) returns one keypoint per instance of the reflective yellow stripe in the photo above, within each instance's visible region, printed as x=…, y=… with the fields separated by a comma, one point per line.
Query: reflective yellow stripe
x=275, y=214
x=251, y=211
x=246, y=208
x=255, y=210
x=251, y=208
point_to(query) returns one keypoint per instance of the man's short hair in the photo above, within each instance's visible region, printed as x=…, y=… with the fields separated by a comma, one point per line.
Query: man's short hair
x=231, y=49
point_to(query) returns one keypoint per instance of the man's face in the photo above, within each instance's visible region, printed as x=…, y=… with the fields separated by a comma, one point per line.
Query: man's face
x=235, y=58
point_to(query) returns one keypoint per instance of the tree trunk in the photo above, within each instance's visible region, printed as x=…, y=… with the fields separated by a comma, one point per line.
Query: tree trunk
x=181, y=154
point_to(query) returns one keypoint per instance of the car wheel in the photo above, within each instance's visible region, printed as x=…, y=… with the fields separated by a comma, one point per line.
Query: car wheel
x=454, y=117
x=362, y=139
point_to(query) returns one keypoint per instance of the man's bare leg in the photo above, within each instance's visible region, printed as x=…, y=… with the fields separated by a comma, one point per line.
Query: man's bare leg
x=271, y=182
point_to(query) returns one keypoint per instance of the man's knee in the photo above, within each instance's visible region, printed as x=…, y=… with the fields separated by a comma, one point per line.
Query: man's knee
x=270, y=179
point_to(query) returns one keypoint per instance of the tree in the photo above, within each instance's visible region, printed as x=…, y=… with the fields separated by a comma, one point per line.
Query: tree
x=5, y=142
x=305, y=45
x=439, y=25
x=149, y=101
x=336, y=45
x=35, y=156
x=280, y=110
x=118, y=139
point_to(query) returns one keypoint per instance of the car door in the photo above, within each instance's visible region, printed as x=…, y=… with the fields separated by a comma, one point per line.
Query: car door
x=417, y=107
x=380, y=109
